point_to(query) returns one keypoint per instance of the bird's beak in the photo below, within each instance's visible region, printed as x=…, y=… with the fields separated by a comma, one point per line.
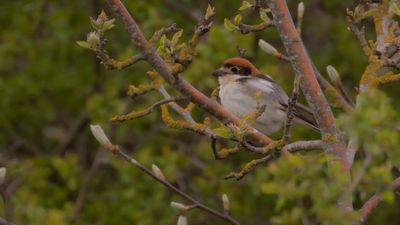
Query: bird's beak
x=218, y=73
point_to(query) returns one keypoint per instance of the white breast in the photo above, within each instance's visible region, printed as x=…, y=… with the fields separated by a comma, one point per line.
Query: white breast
x=240, y=99
x=237, y=100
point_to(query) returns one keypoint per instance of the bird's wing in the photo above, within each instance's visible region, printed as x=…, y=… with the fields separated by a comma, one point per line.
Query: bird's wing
x=265, y=84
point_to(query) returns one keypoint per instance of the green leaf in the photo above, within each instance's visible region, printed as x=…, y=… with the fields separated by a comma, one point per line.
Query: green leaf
x=228, y=25
x=222, y=132
x=108, y=25
x=83, y=44
x=245, y=5
x=176, y=37
x=238, y=19
x=388, y=196
x=263, y=15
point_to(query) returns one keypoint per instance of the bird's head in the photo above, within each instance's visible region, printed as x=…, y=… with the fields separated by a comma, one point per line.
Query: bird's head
x=236, y=66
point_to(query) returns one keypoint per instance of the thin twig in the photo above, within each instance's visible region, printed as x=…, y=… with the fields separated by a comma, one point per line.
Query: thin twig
x=226, y=217
x=291, y=148
x=360, y=35
x=141, y=113
x=112, y=64
x=158, y=34
x=246, y=28
x=79, y=126
x=357, y=179
x=291, y=109
x=84, y=188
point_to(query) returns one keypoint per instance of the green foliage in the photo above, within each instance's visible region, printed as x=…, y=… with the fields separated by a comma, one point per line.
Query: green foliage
x=373, y=123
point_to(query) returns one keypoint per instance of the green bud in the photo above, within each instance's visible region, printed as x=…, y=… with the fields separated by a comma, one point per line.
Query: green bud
x=157, y=172
x=237, y=20
x=268, y=48
x=182, y=220
x=100, y=136
x=300, y=10
x=333, y=74
x=229, y=25
x=210, y=12
x=225, y=202
x=179, y=206
x=93, y=39
x=83, y=44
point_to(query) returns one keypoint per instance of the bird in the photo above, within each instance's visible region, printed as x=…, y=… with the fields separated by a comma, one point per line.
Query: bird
x=239, y=83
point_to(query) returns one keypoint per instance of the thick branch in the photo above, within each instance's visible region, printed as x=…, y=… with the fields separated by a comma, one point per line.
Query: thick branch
x=303, y=66
x=334, y=144
x=177, y=82
x=369, y=206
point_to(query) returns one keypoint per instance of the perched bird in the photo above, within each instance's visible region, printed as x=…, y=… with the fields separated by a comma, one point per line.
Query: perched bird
x=239, y=81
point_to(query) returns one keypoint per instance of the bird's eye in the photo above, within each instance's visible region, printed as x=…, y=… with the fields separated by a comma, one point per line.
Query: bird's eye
x=234, y=69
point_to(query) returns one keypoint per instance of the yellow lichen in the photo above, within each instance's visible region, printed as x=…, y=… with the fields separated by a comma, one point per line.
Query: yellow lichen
x=180, y=124
x=156, y=82
x=330, y=138
x=225, y=152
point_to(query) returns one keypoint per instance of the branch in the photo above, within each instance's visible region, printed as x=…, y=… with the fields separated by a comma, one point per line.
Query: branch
x=5, y=222
x=141, y=113
x=158, y=176
x=303, y=66
x=334, y=144
x=360, y=35
x=386, y=79
x=369, y=206
x=247, y=28
x=357, y=179
x=181, y=85
x=291, y=148
x=158, y=34
x=86, y=182
x=291, y=110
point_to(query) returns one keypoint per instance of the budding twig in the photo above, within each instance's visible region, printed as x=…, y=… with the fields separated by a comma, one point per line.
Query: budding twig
x=105, y=142
x=141, y=113
x=291, y=148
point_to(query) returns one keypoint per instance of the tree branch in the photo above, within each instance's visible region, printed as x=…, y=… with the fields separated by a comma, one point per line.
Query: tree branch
x=5, y=222
x=141, y=113
x=370, y=205
x=334, y=144
x=291, y=148
x=176, y=81
x=158, y=176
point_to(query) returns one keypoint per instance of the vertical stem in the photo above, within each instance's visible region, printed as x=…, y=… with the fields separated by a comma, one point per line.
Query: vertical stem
x=302, y=65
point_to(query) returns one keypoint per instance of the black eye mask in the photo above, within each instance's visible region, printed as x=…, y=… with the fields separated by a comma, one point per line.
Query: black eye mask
x=242, y=71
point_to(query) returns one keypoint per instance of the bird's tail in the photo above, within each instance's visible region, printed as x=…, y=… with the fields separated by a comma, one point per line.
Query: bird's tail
x=304, y=116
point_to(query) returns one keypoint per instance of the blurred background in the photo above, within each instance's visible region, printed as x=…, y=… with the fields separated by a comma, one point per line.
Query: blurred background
x=52, y=89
